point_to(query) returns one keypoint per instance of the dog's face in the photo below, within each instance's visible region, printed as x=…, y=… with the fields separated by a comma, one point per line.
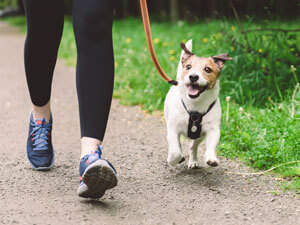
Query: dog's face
x=199, y=73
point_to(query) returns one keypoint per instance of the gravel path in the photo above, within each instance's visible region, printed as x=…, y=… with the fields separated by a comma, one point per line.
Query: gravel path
x=149, y=192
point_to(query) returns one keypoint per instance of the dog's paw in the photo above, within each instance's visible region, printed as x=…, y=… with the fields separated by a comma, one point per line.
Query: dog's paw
x=212, y=162
x=174, y=159
x=193, y=164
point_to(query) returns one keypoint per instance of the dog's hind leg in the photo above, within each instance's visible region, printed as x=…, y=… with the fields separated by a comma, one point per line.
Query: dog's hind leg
x=212, y=140
x=175, y=153
x=193, y=156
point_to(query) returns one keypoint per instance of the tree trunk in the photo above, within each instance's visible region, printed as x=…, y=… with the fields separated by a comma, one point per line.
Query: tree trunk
x=21, y=7
x=212, y=9
x=125, y=8
x=174, y=10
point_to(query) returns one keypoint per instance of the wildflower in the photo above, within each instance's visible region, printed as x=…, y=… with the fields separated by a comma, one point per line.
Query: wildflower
x=128, y=40
x=165, y=44
x=233, y=28
x=216, y=36
x=260, y=50
x=293, y=68
x=184, y=40
x=171, y=52
x=270, y=100
x=156, y=40
x=180, y=23
x=172, y=58
x=205, y=40
x=241, y=109
x=228, y=98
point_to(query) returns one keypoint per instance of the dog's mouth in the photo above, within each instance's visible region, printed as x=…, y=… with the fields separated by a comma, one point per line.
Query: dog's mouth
x=194, y=90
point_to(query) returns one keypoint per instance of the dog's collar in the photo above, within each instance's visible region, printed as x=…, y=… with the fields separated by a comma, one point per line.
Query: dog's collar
x=195, y=121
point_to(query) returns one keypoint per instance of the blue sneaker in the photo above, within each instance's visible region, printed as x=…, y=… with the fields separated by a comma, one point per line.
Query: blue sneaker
x=39, y=148
x=96, y=175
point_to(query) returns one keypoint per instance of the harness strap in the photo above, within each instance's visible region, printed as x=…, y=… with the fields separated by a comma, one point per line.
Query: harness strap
x=146, y=21
x=202, y=114
x=195, y=121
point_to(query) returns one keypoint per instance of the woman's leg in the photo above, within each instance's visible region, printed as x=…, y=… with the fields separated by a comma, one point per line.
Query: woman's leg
x=92, y=20
x=44, y=29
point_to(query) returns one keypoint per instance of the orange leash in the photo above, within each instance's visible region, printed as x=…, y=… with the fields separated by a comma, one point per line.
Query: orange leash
x=146, y=21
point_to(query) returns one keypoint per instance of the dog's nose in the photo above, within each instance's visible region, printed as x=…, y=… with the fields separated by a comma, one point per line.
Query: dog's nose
x=194, y=77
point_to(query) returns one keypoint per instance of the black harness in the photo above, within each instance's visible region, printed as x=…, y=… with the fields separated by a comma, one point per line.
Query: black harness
x=195, y=121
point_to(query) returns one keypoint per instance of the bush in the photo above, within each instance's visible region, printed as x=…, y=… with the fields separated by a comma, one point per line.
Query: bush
x=8, y=3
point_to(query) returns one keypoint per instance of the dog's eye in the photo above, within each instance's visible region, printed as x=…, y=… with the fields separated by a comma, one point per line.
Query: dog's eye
x=207, y=69
x=188, y=66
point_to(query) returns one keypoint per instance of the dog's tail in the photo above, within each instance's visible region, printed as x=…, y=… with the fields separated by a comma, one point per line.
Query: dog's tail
x=189, y=46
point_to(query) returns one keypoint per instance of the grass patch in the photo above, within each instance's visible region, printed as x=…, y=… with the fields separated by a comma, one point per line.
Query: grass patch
x=261, y=79
x=264, y=138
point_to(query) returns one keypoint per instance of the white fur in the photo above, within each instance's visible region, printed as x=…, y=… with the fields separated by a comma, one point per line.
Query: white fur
x=177, y=120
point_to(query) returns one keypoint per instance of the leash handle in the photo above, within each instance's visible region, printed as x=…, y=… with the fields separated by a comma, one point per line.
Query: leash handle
x=146, y=21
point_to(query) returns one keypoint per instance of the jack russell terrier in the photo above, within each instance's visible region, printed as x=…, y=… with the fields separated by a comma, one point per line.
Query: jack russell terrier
x=193, y=107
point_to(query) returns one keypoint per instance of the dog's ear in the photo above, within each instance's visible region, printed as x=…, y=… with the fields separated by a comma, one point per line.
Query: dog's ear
x=221, y=59
x=187, y=53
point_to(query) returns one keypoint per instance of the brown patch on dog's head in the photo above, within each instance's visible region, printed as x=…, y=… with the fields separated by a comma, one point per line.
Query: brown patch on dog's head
x=187, y=53
x=209, y=67
x=220, y=59
x=211, y=72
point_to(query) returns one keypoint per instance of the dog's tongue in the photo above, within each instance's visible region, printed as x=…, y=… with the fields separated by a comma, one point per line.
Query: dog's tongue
x=193, y=90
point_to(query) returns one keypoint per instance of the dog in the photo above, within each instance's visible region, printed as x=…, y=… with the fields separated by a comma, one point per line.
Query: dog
x=193, y=107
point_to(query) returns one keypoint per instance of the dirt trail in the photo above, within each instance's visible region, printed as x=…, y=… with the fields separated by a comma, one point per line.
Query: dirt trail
x=149, y=192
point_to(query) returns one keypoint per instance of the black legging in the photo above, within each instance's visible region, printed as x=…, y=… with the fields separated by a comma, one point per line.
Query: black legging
x=92, y=21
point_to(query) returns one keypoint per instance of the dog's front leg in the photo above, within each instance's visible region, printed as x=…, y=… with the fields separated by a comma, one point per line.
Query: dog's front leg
x=212, y=140
x=175, y=152
x=193, y=157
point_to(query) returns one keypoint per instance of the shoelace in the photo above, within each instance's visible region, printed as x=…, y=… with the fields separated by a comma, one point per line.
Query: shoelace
x=39, y=135
x=93, y=154
x=99, y=151
x=90, y=156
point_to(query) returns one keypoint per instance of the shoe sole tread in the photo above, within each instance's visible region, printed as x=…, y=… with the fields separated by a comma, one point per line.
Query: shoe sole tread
x=98, y=178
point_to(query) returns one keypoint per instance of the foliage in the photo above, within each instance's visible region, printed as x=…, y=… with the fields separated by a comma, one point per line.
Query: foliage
x=264, y=137
x=8, y=3
x=257, y=72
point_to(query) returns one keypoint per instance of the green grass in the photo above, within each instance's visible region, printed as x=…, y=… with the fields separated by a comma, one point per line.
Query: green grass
x=264, y=137
x=259, y=79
